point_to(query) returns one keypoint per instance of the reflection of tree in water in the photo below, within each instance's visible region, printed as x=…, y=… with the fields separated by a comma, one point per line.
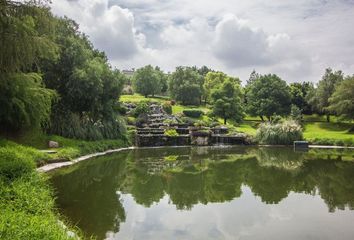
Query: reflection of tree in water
x=88, y=195
x=271, y=173
x=279, y=157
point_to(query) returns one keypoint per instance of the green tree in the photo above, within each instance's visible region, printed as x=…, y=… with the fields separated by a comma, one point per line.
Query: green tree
x=342, y=100
x=299, y=92
x=319, y=98
x=268, y=95
x=185, y=85
x=26, y=37
x=87, y=86
x=227, y=101
x=147, y=81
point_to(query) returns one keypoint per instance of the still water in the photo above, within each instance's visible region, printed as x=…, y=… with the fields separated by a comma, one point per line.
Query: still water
x=211, y=193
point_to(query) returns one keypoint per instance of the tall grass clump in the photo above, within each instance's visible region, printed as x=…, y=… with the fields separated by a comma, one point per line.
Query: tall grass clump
x=281, y=133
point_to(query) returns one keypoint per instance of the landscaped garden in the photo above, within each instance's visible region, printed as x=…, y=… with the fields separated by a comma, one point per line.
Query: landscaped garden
x=60, y=98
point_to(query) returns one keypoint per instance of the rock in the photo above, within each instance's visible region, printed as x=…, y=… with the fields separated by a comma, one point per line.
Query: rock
x=52, y=144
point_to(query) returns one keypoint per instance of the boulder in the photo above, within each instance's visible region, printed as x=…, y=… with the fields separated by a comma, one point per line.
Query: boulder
x=53, y=144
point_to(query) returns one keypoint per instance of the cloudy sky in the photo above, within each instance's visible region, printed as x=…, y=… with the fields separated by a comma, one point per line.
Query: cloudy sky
x=295, y=39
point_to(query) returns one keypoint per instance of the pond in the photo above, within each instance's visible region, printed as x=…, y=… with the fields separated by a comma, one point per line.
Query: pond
x=211, y=193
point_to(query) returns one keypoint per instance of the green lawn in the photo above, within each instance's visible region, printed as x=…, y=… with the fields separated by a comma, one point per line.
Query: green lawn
x=328, y=130
x=138, y=98
x=247, y=127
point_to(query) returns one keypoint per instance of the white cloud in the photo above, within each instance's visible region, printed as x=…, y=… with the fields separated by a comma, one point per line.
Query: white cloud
x=110, y=28
x=296, y=40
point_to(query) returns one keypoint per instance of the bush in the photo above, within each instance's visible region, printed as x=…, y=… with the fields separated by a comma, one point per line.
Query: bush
x=173, y=102
x=193, y=113
x=167, y=107
x=171, y=133
x=141, y=108
x=281, y=133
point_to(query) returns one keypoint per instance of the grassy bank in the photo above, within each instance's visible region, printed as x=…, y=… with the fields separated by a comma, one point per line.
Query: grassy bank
x=26, y=201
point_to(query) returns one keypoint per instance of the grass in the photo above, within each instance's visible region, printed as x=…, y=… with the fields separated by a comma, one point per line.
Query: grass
x=247, y=127
x=71, y=148
x=26, y=200
x=138, y=98
x=336, y=131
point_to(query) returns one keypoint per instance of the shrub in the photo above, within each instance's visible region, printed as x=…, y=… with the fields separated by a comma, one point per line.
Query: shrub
x=281, y=133
x=193, y=113
x=171, y=133
x=173, y=102
x=296, y=113
x=131, y=120
x=167, y=107
x=141, y=108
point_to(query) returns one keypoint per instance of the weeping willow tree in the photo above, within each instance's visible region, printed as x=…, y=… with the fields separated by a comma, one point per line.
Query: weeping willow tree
x=26, y=37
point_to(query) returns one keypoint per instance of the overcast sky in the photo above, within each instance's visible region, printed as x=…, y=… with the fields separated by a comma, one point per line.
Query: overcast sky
x=295, y=39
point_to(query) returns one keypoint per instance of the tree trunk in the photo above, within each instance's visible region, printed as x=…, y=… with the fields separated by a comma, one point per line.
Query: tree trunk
x=224, y=121
x=262, y=118
x=328, y=118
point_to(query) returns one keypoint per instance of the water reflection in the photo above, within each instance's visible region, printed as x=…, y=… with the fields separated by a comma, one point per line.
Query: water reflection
x=150, y=184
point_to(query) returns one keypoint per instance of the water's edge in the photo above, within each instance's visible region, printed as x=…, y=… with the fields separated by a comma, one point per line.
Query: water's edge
x=53, y=166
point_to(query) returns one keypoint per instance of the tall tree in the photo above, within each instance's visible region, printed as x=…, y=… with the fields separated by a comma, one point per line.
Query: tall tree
x=88, y=88
x=268, y=95
x=227, y=101
x=26, y=36
x=319, y=99
x=185, y=85
x=342, y=100
x=147, y=81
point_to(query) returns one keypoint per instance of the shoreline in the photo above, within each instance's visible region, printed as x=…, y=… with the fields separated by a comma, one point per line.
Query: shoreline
x=56, y=165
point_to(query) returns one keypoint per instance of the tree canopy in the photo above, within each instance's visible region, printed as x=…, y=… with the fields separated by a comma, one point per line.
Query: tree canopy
x=227, y=101
x=319, y=98
x=268, y=95
x=148, y=81
x=26, y=38
x=185, y=85
x=342, y=100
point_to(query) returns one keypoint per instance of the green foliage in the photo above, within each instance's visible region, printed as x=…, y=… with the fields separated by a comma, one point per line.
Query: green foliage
x=193, y=113
x=296, y=113
x=171, y=133
x=27, y=210
x=213, y=80
x=14, y=164
x=186, y=86
x=87, y=86
x=330, y=142
x=141, y=108
x=24, y=101
x=319, y=97
x=284, y=133
x=299, y=92
x=268, y=95
x=148, y=81
x=71, y=148
x=167, y=107
x=72, y=125
x=26, y=35
x=342, y=100
x=227, y=102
